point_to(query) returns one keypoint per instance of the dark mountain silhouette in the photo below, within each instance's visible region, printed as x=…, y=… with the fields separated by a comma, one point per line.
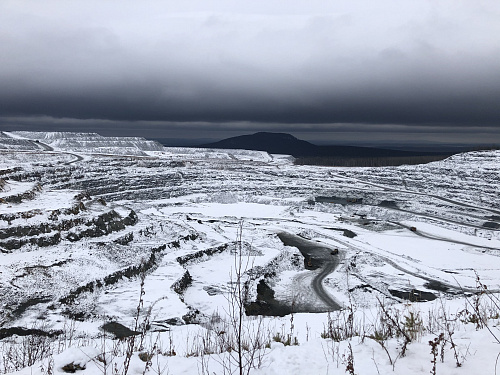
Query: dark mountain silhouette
x=283, y=143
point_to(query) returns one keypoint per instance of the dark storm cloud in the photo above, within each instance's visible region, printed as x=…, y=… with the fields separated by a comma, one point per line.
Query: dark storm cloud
x=425, y=63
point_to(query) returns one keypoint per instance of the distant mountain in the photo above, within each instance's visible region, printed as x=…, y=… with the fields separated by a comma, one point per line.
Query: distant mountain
x=283, y=143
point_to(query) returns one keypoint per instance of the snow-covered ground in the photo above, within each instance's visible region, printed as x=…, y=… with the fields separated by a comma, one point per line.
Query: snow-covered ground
x=82, y=217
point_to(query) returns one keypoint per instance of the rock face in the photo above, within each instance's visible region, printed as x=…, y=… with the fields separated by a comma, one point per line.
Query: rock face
x=47, y=233
x=183, y=283
x=118, y=330
x=26, y=195
x=40, y=241
x=104, y=224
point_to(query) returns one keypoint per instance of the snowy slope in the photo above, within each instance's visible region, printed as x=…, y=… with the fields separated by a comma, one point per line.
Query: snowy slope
x=83, y=217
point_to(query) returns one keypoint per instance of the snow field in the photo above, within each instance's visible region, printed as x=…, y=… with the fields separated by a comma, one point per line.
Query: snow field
x=193, y=200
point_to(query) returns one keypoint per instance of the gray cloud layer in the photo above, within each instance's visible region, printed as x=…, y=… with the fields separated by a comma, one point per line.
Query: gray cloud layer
x=426, y=62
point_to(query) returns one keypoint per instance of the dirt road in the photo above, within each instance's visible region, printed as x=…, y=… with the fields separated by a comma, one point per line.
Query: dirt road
x=316, y=257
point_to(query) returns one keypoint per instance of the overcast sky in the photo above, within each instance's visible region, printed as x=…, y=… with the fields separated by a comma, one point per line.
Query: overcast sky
x=423, y=70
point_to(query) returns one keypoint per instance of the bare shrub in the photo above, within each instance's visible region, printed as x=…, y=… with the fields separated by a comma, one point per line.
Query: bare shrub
x=434, y=344
x=26, y=350
x=239, y=341
x=349, y=360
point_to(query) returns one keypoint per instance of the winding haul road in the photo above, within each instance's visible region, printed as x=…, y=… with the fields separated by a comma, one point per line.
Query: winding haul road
x=46, y=147
x=438, y=238
x=316, y=256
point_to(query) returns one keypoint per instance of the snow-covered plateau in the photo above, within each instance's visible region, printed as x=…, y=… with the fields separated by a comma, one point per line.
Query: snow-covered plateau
x=122, y=256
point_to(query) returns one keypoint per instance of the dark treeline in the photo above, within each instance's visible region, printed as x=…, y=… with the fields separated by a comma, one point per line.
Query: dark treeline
x=331, y=161
x=484, y=148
